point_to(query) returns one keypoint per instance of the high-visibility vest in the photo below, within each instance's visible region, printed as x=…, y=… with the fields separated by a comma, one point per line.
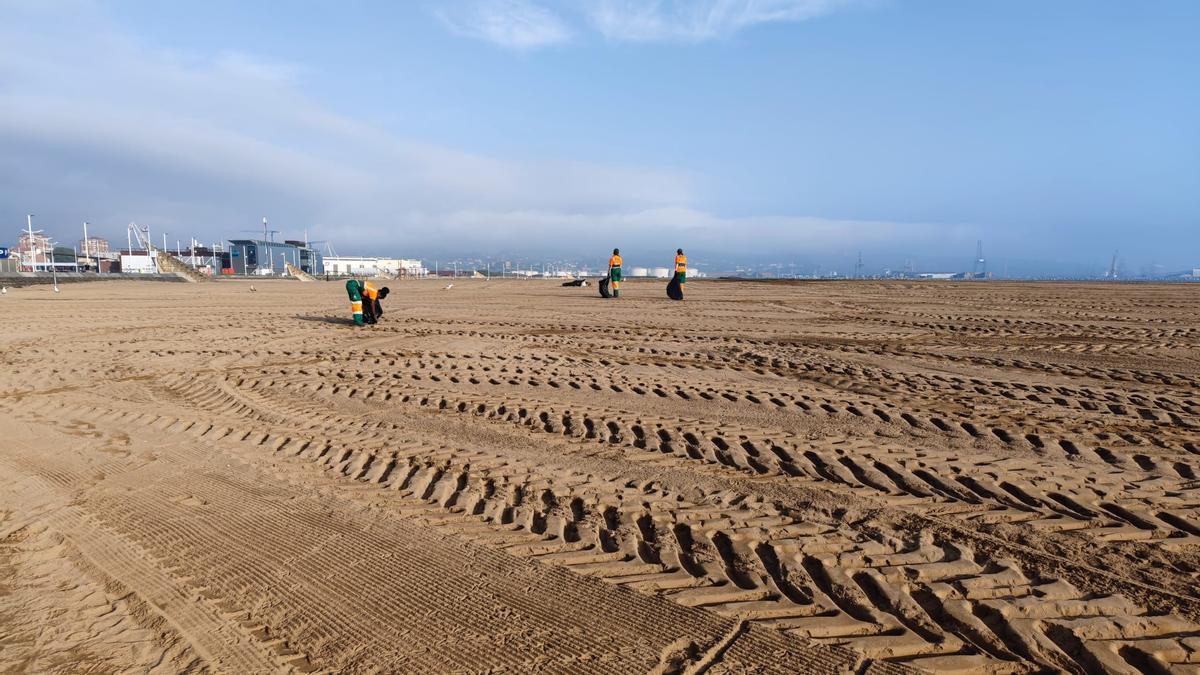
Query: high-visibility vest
x=369, y=291
x=681, y=263
x=614, y=261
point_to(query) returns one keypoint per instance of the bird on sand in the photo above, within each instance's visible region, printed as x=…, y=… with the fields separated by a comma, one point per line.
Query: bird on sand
x=252, y=288
x=55, y=288
x=3, y=290
x=448, y=287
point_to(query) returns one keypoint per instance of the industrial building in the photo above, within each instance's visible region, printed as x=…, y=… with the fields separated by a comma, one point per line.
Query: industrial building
x=256, y=256
x=311, y=260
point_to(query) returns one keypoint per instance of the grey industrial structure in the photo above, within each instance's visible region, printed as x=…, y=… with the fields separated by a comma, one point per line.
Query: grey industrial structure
x=256, y=256
x=311, y=260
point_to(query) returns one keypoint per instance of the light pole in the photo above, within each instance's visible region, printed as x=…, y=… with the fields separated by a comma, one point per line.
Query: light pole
x=29, y=244
x=157, y=263
x=53, y=268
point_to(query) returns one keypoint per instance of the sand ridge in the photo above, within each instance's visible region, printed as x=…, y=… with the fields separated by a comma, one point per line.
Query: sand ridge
x=514, y=475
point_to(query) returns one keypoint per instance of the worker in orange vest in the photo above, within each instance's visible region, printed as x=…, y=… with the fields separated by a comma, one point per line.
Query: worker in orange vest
x=371, y=296
x=614, y=272
x=680, y=266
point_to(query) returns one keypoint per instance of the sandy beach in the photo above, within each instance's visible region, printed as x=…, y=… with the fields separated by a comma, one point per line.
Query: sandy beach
x=513, y=476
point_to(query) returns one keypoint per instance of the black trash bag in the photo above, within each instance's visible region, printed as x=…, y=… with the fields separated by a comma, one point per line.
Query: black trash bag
x=604, y=288
x=674, y=289
x=575, y=282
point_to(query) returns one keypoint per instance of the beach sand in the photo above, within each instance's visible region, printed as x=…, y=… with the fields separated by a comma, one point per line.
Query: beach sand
x=512, y=476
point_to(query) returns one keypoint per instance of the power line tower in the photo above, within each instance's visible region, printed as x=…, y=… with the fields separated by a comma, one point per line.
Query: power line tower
x=979, y=269
x=1112, y=268
x=858, y=267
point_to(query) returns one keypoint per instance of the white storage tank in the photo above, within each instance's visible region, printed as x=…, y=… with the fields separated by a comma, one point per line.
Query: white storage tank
x=639, y=272
x=661, y=273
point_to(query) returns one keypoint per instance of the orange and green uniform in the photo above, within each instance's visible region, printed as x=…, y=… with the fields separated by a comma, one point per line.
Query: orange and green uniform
x=614, y=274
x=354, y=290
x=681, y=268
x=370, y=296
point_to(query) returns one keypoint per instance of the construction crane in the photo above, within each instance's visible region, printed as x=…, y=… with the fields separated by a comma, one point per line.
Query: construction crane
x=1112, y=267
x=133, y=231
x=141, y=234
x=858, y=267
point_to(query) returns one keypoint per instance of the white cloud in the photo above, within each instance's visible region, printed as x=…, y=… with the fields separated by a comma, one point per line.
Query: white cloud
x=524, y=24
x=106, y=130
x=102, y=127
x=517, y=24
x=697, y=20
x=247, y=66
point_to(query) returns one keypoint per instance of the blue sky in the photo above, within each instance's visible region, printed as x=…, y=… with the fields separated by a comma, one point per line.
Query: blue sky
x=1054, y=131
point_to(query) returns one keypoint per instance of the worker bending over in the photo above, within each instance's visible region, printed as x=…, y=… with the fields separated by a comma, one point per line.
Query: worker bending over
x=372, y=310
x=614, y=272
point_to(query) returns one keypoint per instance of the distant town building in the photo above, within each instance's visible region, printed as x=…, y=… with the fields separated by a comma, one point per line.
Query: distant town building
x=371, y=266
x=660, y=272
x=95, y=254
x=38, y=254
x=1196, y=272
x=93, y=247
x=34, y=251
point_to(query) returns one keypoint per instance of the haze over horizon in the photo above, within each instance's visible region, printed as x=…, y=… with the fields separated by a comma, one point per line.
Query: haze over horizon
x=757, y=130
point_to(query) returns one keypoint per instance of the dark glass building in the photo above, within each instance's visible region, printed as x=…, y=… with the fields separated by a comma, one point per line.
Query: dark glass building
x=255, y=256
